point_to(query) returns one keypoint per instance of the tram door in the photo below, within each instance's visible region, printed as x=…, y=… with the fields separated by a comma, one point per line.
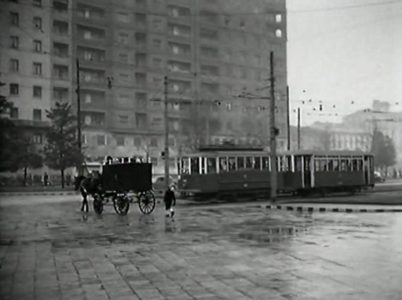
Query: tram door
x=307, y=171
x=366, y=165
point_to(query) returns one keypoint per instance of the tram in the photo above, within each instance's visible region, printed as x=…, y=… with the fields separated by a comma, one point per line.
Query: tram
x=214, y=172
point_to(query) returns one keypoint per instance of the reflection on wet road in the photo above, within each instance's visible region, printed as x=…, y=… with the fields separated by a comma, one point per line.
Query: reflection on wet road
x=236, y=252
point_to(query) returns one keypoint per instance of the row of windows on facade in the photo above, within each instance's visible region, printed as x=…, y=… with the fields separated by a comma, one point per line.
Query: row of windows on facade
x=175, y=11
x=98, y=55
x=15, y=20
x=103, y=140
x=92, y=33
x=36, y=114
x=59, y=71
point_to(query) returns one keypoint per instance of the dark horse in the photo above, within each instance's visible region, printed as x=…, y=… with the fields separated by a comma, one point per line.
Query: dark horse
x=87, y=186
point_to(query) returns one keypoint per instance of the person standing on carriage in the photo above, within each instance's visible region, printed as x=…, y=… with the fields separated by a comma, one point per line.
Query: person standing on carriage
x=170, y=202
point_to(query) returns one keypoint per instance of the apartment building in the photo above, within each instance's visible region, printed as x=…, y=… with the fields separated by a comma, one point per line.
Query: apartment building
x=212, y=52
x=26, y=63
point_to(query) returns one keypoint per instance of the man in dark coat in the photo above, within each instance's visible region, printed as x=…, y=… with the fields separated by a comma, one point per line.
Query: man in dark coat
x=170, y=201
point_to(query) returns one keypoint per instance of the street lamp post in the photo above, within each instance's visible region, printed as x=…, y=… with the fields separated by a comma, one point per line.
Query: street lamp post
x=78, y=91
x=166, y=117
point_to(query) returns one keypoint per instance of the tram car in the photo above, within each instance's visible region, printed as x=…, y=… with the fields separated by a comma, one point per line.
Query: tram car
x=214, y=172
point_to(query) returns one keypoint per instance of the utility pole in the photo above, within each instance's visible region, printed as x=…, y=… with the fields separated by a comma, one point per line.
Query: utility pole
x=298, y=128
x=166, y=116
x=288, y=115
x=78, y=91
x=273, y=132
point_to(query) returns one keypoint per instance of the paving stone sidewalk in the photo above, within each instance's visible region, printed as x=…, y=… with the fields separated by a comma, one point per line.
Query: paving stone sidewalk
x=53, y=251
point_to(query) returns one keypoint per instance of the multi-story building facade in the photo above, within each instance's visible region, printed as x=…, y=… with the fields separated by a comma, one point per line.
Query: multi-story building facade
x=211, y=51
x=26, y=63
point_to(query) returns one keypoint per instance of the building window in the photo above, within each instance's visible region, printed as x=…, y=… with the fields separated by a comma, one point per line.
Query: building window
x=278, y=18
x=156, y=43
x=37, y=91
x=157, y=24
x=209, y=34
x=37, y=138
x=14, y=42
x=37, y=115
x=61, y=28
x=37, y=68
x=140, y=120
x=278, y=33
x=123, y=57
x=14, y=89
x=154, y=142
x=14, y=113
x=37, y=45
x=123, y=38
x=37, y=3
x=37, y=21
x=61, y=72
x=60, y=94
x=61, y=6
x=120, y=140
x=14, y=65
x=137, y=141
x=14, y=18
x=101, y=140
x=123, y=119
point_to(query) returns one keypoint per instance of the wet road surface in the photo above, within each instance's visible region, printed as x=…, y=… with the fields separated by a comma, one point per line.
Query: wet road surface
x=53, y=251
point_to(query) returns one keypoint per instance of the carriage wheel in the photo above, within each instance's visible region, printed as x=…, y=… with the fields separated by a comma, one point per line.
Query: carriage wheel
x=121, y=205
x=146, y=202
x=98, y=204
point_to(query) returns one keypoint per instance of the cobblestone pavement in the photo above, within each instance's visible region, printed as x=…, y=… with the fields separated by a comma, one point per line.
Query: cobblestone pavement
x=53, y=251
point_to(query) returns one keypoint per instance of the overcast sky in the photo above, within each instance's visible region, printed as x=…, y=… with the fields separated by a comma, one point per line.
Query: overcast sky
x=341, y=51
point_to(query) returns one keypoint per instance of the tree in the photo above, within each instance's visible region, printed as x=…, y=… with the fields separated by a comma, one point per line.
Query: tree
x=61, y=150
x=28, y=156
x=17, y=149
x=8, y=132
x=383, y=149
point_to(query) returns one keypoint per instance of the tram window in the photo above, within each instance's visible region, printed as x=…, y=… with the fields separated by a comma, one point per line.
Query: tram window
x=232, y=163
x=344, y=165
x=223, y=165
x=333, y=164
x=289, y=161
x=324, y=165
x=360, y=165
x=249, y=162
x=185, y=166
x=240, y=162
x=257, y=164
x=316, y=165
x=355, y=164
x=298, y=166
x=195, y=165
x=265, y=163
x=211, y=165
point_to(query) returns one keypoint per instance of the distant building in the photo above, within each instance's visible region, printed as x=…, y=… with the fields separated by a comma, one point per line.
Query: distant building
x=355, y=132
x=211, y=50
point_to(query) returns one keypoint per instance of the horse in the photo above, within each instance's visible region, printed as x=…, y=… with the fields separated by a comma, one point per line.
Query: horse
x=87, y=186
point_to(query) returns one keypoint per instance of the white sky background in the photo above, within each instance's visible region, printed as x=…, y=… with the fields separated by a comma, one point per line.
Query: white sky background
x=341, y=51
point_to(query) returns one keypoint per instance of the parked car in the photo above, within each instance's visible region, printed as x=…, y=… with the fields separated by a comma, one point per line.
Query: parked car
x=158, y=183
x=378, y=178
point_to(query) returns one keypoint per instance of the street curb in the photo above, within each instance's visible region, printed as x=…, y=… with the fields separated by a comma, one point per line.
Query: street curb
x=299, y=208
x=38, y=194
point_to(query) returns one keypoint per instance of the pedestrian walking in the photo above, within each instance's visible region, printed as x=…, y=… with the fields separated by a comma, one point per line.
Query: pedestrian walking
x=45, y=179
x=170, y=202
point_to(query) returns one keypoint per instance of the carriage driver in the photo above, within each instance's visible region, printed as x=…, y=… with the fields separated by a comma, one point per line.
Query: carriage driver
x=170, y=201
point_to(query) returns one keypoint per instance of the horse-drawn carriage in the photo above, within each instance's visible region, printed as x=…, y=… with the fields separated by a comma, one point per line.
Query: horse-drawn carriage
x=122, y=183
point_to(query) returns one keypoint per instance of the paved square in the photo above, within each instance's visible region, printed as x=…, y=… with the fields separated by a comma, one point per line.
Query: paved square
x=242, y=251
